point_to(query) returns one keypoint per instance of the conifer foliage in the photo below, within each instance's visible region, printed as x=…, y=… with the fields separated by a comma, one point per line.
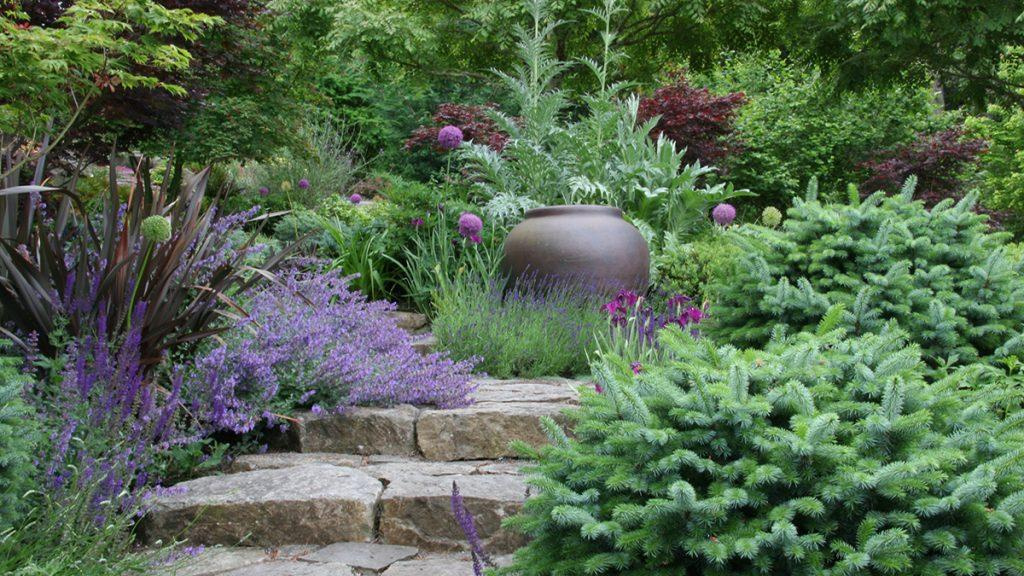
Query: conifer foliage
x=818, y=455
x=940, y=273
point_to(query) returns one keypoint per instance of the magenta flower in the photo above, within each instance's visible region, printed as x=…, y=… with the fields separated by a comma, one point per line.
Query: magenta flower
x=355, y=198
x=598, y=388
x=724, y=214
x=304, y=184
x=470, y=226
x=264, y=191
x=449, y=138
x=416, y=223
x=637, y=367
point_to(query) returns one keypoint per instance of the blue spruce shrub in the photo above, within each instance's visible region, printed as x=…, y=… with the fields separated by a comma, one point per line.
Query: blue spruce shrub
x=941, y=273
x=818, y=455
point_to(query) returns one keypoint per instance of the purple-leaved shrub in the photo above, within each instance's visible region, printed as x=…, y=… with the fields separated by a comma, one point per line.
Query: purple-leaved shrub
x=311, y=342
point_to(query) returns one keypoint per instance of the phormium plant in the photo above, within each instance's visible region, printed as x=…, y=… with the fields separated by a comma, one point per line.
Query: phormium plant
x=59, y=262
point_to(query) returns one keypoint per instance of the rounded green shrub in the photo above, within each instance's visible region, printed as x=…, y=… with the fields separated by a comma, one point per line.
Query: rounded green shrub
x=940, y=273
x=818, y=455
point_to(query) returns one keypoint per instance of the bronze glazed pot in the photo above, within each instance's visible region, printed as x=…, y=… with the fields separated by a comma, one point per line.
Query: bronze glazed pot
x=587, y=242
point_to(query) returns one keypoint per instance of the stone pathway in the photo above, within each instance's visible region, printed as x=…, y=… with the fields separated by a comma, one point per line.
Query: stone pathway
x=367, y=492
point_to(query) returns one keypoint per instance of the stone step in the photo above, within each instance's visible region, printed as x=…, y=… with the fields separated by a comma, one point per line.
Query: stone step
x=308, y=504
x=334, y=560
x=503, y=410
x=409, y=321
x=280, y=499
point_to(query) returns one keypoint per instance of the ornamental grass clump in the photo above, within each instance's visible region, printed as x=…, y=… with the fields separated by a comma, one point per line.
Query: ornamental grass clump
x=539, y=327
x=310, y=342
x=939, y=272
x=821, y=454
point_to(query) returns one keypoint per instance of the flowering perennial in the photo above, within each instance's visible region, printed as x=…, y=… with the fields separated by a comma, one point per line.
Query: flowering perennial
x=311, y=342
x=114, y=421
x=629, y=312
x=449, y=138
x=470, y=226
x=724, y=214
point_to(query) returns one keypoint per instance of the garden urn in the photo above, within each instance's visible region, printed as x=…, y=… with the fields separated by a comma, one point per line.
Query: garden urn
x=591, y=243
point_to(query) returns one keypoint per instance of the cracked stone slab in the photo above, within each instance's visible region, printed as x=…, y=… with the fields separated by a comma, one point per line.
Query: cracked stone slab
x=438, y=566
x=275, y=460
x=359, y=431
x=362, y=556
x=557, y=390
x=219, y=559
x=416, y=511
x=293, y=569
x=483, y=431
x=308, y=504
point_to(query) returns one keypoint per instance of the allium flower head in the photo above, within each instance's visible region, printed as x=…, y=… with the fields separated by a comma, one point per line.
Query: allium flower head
x=304, y=184
x=771, y=216
x=470, y=226
x=286, y=186
x=450, y=137
x=156, y=229
x=724, y=214
x=264, y=191
x=416, y=223
x=355, y=198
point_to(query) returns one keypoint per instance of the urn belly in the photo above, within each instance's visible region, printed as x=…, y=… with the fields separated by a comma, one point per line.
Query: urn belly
x=587, y=242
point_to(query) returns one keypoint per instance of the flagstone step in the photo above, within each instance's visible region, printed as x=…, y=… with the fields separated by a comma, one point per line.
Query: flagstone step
x=280, y=499
x=341, y=559
x=307, y=504
x=503, y=411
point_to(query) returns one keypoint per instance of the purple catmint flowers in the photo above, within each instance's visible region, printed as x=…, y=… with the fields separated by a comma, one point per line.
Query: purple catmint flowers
x=355, y=198
x=449, y=138
x=470, y=226
x=724, y=214
x=311, y=342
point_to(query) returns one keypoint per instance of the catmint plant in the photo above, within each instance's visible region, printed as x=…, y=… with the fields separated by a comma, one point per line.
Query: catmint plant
x=311, y=342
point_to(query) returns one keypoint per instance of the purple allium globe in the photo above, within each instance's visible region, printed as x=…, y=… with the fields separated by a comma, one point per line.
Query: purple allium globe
x=449, y=138
x=264, y=191
x=724, y=214
x=355, y=198
x=470, y=226
x=304, y=184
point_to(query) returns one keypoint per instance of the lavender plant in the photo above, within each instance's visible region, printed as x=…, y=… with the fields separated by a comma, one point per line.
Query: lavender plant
x=312, y=342
x=540, y=327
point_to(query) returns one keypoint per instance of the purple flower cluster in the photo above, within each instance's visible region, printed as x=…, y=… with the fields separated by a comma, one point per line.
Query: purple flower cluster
x=311, y=342
x=629, y=311
x=449, y=138
x=470, y=226
x=724, y=214
x=114, y=422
